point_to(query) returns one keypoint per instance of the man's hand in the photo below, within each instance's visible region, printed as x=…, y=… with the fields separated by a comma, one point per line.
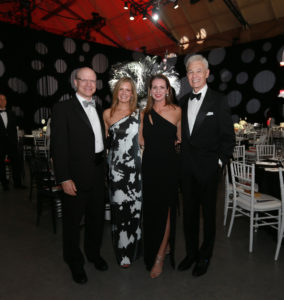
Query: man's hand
x=69, y=187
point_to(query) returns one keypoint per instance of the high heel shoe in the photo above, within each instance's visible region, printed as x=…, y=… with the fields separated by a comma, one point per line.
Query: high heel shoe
x=158, y=267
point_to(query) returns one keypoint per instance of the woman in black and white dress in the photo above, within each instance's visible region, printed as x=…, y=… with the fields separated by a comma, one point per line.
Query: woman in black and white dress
x=122, y=122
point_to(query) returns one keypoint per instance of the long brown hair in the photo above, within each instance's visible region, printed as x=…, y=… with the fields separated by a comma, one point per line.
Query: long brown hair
x=133, y=100
x=169, y=95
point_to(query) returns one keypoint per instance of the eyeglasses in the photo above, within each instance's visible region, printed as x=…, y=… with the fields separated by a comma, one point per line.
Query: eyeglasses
x=85, y=81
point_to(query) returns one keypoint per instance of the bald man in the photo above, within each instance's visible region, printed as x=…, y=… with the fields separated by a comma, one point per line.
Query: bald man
x=77, y=147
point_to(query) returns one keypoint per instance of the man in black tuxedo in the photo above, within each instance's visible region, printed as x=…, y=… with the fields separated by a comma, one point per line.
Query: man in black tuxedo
x=207, y=144
x=9, y=145
x=77, y=147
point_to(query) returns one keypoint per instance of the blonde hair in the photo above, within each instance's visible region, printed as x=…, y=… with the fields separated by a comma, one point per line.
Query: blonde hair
x=169, y=95
x=133, y=100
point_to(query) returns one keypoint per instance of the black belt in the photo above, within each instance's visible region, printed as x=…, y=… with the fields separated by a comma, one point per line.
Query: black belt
x=99, y=157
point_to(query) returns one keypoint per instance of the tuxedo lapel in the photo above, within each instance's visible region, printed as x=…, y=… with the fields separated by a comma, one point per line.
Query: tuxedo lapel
x=80, y=112
x=205, y=107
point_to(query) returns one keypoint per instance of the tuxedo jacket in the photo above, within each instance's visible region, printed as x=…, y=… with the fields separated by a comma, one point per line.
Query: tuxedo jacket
x=212, y=137
x=73, y=143
x=8, y=136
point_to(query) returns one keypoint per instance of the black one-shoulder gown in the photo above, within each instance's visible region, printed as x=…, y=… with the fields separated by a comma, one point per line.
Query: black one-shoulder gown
x=160, y=184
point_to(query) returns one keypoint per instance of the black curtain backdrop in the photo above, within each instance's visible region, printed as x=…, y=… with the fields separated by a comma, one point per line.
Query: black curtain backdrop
x=37, y=70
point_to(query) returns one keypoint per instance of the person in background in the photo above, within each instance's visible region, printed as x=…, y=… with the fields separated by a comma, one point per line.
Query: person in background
x=78, y=153
x=207, y=144
x=122, y=122
x=159, y=134
x=9, y=145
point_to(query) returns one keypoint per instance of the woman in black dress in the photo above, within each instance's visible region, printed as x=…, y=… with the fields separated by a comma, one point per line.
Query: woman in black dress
x=122, y=122
x=159, y=135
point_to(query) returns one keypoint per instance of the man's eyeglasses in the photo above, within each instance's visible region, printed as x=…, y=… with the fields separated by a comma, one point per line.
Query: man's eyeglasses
x=85, y=81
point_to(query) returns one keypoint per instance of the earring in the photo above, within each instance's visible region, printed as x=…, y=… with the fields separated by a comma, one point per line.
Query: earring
x=167, y=95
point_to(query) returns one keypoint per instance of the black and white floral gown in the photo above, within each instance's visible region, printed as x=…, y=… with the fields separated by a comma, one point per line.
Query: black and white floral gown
x=125, y=187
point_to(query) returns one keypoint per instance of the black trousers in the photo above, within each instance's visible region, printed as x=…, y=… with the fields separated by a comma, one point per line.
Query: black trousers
x=91, y=205
x=199, y=194
x=12, y=152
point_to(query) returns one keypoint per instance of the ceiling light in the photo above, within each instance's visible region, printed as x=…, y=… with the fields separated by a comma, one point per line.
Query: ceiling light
x=131, y=14
x=144, y=16
x=155, y=13
x=125, y=5
x=176, y=4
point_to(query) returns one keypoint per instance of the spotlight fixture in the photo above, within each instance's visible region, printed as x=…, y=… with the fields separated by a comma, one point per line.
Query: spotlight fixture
x=125, y=5
x=131, y=16
x=144, y=15
x=155, y=13
x=176, y=4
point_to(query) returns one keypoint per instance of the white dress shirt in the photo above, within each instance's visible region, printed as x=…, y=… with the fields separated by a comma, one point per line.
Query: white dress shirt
x=4, y=118
x=93, y=117
x=194, y=106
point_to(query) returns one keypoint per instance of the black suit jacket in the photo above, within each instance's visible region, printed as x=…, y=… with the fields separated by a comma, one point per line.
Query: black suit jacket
x=212, y=137
x=73, y=143
x=8, y=136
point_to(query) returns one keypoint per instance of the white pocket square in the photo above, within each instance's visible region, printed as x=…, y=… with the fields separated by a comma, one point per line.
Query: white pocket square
x=210, y=113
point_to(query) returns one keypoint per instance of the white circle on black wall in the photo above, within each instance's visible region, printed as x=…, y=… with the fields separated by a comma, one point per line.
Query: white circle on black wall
x=72, y=78
x=225, y=75
x=248, y=55
x=211, y=78
x=86, y=47
x=17, y=85
x=280, y=54
x=47, y=86
x=99, y=84
x=69, y=45
x=37, y=65
x=266, y=46
x=41, y=48
x=60, y=66
x=41, y=113
x=184, y=88
x=2, y=68
x=64, y=97
x=264, y=81
x=263, y=60
x=234, y=98
x=242, y=78
x=216, y=56
x=100, y=63
x=81, y=58
x=222, y=87
x=253, y=106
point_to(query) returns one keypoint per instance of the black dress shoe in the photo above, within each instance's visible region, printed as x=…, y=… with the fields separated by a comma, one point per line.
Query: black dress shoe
x=78, y=274
x=99, y=263
x=186, y=263
x=201, y=267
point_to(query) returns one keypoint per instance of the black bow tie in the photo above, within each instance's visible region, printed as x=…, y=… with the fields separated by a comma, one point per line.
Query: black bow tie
x=194, y=96
x=4, y=110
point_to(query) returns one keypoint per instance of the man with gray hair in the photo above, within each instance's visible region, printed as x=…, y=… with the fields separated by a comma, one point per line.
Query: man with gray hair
x=207, y=144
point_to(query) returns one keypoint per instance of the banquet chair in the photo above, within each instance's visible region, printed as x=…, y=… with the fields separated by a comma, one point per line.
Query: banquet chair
x=281, y=233
x=40, y=147
x=257, y=206
x=238, y=155
x=265, y=151
x=48, y=193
